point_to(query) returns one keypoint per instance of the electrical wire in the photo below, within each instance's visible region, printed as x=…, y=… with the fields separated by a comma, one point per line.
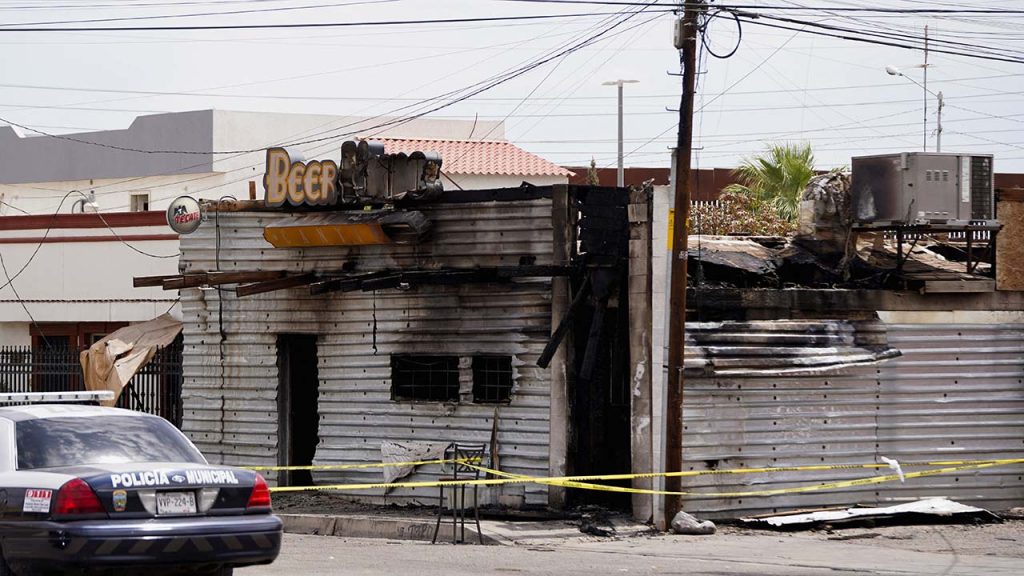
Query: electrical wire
x=462, y=95
x=203, y=14
x=480, y=99
x=724, y=92
x=207, y=176
x=281, y=25
x=704, y=36
x=533, y=64
x=852, y=36
x=10, y=282
x=42, y=240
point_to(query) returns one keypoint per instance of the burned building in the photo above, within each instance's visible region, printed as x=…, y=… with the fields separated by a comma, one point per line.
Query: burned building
x=900, y=343
x=397, y=322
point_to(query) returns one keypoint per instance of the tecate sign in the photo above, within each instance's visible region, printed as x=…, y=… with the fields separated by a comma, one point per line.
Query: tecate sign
x=184, y=215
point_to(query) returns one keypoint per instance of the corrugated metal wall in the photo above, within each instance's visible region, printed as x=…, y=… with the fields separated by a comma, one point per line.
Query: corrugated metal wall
x=956, y=393
x=232, y=414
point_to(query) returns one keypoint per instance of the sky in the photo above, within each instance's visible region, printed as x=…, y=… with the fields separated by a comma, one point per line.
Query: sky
x=779, y=85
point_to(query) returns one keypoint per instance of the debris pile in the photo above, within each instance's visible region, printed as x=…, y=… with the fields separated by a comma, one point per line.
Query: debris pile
x=829, y=252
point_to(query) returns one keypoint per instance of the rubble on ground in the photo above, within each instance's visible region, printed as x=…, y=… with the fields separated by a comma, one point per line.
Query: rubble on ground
x=684, y=523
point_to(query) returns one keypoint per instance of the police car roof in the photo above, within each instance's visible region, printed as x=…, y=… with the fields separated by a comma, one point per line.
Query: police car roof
x=38, y=411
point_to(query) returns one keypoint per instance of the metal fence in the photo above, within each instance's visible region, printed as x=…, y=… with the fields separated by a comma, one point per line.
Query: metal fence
x=156, y=389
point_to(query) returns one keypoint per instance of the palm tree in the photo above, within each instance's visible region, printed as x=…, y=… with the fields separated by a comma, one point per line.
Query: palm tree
x=776, y=178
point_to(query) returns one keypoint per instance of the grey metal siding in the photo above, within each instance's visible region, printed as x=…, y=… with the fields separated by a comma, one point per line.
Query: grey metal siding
x=957, y=393
x=230, y=411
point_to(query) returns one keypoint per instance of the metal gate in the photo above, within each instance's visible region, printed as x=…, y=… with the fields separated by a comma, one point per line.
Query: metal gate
x=156, y=389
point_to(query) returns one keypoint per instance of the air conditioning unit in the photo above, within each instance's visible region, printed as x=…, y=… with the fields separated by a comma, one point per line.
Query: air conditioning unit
x=922, y=187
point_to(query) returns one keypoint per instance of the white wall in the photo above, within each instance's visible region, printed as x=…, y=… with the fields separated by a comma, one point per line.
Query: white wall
x=659, y=303
x=113, y=195
x=85, y=281
x=15, y=334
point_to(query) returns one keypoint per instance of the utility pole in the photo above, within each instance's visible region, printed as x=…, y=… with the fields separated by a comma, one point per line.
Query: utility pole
x=687, y=43
x=924, y=143
x=621, y=177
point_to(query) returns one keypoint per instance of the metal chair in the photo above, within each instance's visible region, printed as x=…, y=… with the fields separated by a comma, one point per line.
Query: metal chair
x=456, y=468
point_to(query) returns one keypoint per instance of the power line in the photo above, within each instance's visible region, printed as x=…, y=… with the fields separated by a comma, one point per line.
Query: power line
x=19, y=28
x=204, y=14
x=481, y=99
x=909, y=11
x=852, y=35
x=457, y=96
x=572, y=45
x=49, y=6
x=246, y=167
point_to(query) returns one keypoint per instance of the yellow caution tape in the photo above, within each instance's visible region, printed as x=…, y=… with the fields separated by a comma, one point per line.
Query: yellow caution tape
x=581, y=482
x=809, y=488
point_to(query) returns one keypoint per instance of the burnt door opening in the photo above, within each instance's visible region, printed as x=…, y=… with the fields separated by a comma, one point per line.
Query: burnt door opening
x=298, y=414
x=600, y=404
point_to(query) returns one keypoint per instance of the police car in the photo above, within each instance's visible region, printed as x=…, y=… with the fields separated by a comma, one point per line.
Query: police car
x=86, y=488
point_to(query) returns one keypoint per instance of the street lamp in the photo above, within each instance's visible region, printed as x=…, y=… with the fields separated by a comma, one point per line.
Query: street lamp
x=621, y=180
x=894, y=71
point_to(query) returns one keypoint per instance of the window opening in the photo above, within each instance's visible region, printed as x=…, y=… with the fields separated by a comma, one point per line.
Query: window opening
x=425, y=378
x=140, y=202
x=492, y=379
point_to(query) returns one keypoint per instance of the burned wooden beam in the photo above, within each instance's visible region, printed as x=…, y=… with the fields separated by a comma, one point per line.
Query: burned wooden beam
x=390, y=281
x=344, y=283
x=216, y=278
x=274, y=285
x=563, y=326
x=449, y=277
x=385, y=279
x=185, y=281
x=148, y=281
x=531, y=271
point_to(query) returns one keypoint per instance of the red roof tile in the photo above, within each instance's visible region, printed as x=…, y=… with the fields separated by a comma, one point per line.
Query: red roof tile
x=479, y=157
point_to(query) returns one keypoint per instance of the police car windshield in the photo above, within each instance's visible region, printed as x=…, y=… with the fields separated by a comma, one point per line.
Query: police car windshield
x=116, y=439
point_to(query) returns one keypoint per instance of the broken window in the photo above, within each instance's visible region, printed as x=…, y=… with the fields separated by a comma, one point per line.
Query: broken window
x=425, y=378
x=492, y=379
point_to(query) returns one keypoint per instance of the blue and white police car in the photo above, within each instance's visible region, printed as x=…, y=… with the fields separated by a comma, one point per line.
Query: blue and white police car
x=93, y=489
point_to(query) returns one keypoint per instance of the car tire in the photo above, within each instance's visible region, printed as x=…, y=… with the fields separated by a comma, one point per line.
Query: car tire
x=222, y=571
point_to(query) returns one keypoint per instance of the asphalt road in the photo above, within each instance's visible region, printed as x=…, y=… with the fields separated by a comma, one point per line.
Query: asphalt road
x=724, y=554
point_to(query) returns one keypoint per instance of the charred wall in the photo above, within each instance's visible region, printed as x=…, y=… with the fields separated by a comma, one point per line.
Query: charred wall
x=230, y=365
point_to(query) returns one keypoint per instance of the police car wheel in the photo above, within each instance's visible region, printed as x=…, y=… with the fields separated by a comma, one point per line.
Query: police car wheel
x=222, y=571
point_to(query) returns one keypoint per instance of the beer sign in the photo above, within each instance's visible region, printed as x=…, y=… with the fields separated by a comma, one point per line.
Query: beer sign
x=289, y=178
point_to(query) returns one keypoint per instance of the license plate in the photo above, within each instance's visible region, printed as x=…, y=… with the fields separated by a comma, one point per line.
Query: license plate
x=176, y=503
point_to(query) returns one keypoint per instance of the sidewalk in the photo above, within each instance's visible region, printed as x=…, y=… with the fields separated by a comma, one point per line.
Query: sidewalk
x=988, y=548
x=421, y=527
x=371, y=544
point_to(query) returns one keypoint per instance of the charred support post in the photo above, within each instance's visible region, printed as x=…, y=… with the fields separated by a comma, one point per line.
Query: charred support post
x=640, y=323
x=677, y=294
x=563, y=326
x=563, y=223
x=594, y=336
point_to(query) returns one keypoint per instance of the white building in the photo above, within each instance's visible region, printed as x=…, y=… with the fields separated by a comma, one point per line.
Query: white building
x=72, y=273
